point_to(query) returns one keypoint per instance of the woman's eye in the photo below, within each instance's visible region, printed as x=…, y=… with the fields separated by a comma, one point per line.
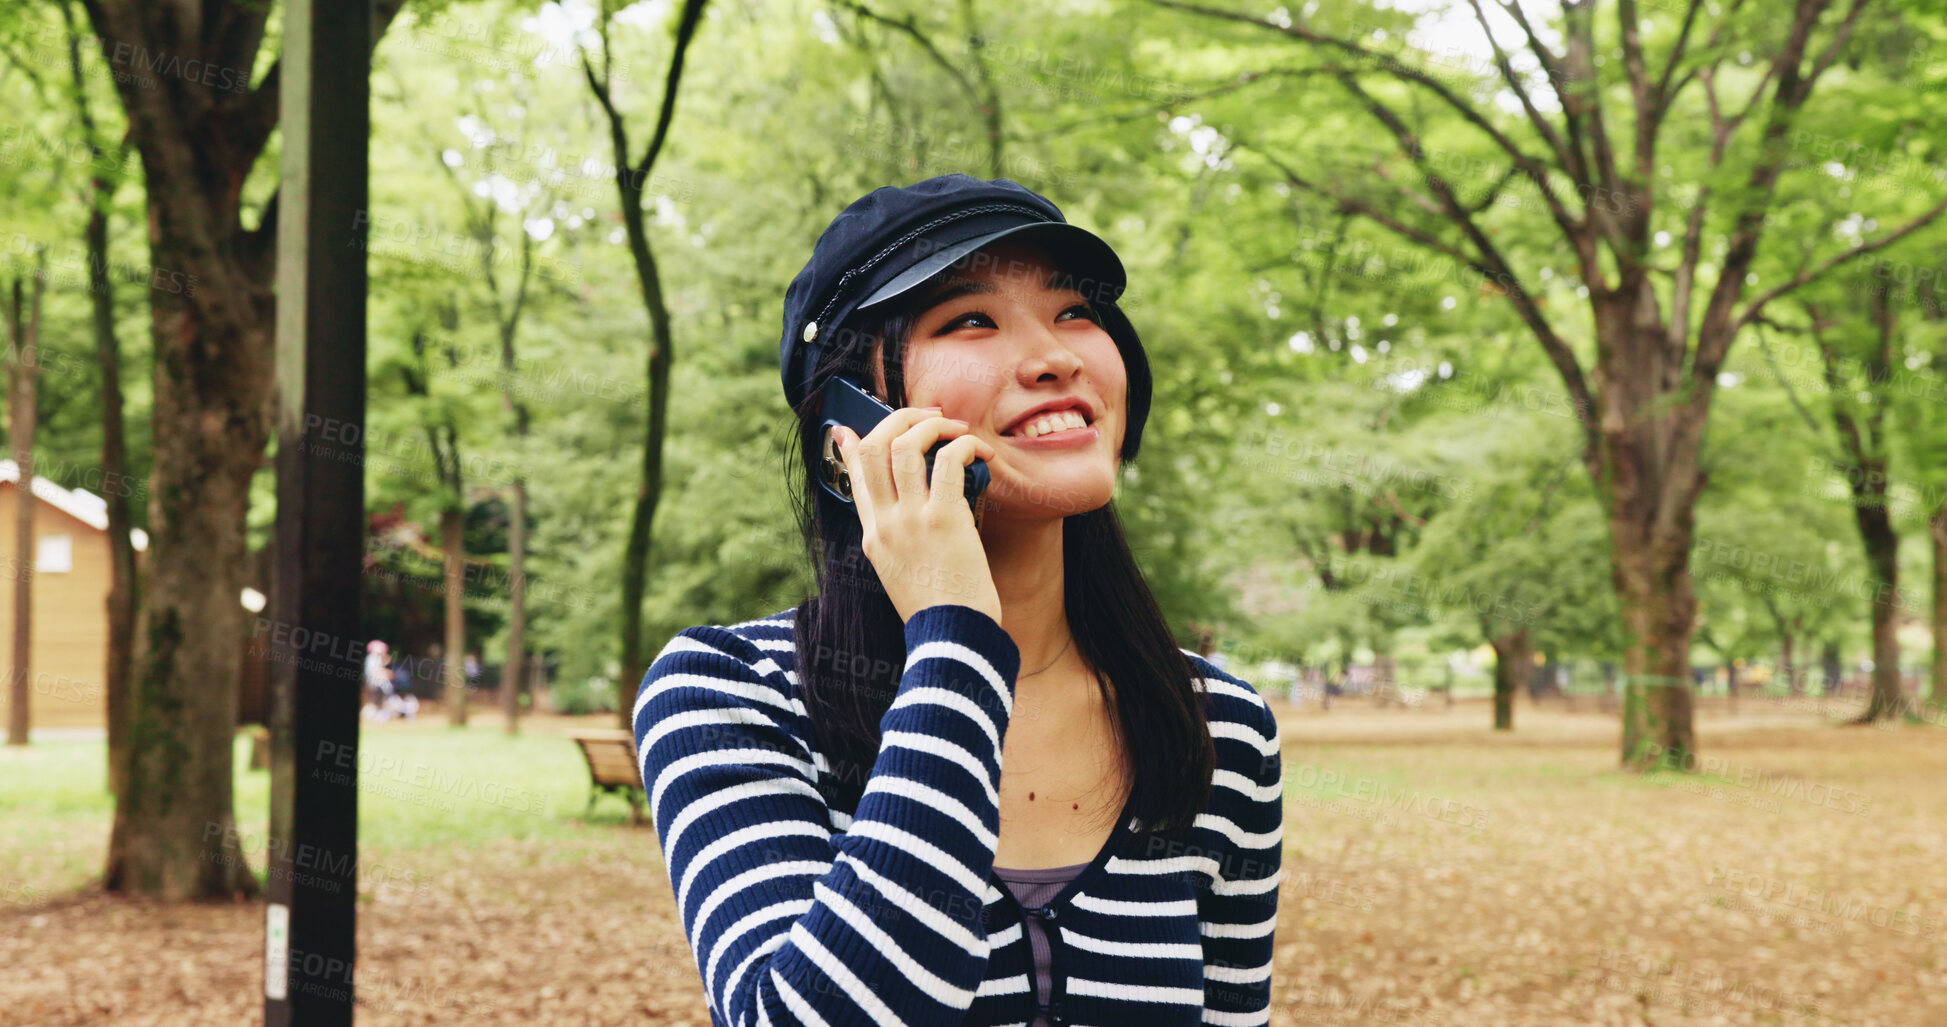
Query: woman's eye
x=981, y=321
x=1083, y=309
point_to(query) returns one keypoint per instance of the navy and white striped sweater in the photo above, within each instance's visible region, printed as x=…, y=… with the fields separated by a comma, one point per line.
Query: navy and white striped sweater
x=798, y=914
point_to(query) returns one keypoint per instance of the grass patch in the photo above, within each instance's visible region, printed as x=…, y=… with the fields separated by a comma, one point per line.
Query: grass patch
x=420, y=786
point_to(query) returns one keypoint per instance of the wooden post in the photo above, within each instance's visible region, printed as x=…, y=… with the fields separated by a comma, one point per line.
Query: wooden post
x=321, y=282
x=26, y=346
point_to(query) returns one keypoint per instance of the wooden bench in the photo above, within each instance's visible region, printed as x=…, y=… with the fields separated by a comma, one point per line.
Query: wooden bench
x=611, y=767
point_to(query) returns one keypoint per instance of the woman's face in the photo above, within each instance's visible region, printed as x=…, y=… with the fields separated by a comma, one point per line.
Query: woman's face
x=993, y=343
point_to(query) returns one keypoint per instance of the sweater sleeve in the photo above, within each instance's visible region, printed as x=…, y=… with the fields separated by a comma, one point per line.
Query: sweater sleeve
x=1238, y=913
x=789, y=923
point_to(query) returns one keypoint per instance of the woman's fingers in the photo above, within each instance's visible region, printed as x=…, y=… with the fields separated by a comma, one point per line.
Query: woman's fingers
x=909, y=455
x=950, y=468
x=866, y=459
x=922, y=557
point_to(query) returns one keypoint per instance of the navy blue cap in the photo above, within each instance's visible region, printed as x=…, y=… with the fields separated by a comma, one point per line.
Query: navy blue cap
x=895, y=238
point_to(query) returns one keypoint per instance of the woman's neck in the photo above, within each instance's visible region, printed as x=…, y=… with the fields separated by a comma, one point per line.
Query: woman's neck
x=1031, y=577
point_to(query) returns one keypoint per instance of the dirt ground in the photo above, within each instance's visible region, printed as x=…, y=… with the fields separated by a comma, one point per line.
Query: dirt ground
x=1435, y=874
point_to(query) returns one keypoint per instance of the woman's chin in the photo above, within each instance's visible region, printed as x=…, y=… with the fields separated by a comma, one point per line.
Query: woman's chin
x=1016, y=496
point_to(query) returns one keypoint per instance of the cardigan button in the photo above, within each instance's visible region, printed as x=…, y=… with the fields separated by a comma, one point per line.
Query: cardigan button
x=1046, y=913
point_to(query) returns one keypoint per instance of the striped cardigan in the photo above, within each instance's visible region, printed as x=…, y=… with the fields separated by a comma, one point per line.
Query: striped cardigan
x=799, y=914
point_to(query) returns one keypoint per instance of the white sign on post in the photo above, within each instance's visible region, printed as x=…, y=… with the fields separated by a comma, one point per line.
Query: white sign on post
x=277, y=951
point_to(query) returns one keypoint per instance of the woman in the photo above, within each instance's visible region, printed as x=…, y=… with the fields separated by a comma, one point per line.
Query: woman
x=996, y=792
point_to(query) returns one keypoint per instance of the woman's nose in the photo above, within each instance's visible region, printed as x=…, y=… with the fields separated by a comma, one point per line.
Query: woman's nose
x=1048, y=354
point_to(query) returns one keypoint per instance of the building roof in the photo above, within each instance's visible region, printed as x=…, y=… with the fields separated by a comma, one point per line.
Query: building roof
x=80, y=504
x=92, y=510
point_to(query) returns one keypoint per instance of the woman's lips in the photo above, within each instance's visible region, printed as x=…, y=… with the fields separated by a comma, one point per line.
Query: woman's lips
x=1064, y=439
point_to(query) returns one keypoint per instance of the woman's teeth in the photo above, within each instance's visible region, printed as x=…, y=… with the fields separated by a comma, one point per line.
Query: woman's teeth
x=1047, y=423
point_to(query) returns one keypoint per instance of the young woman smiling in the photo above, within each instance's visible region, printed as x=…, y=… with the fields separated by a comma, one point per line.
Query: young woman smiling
x=974, y=780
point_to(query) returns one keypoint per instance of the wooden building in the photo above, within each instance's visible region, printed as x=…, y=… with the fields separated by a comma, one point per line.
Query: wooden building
x=70, y=626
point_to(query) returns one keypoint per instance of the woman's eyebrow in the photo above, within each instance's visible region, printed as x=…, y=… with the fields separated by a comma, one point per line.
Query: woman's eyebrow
x=954, y=290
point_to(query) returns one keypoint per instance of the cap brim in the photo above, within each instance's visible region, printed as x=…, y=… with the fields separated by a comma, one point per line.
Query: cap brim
x=1097, y=270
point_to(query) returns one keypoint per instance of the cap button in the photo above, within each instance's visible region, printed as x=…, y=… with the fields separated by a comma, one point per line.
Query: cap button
x=810, y=331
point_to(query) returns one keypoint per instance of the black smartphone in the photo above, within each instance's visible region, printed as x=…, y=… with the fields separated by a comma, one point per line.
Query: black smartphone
x=847, y=404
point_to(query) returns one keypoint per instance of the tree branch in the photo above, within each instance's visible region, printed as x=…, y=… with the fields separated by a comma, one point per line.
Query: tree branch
x=685, y=31
x=1488, y=263
x=1805, y=277
x=1574, y=161
x=1583, y=95
x=1639, y=88
x=1664, y=94
x=1383, y=62
x=1535, y=118
x=1831, y=51
x=1791, y=394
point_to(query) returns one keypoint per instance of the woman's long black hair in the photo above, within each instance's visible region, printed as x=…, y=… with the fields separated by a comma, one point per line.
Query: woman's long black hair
x=850, y=640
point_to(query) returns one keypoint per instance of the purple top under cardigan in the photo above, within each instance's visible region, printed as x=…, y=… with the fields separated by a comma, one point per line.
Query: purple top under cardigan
x=1033, y=888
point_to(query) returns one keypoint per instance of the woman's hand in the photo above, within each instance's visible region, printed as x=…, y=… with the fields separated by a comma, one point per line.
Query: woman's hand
x=920, y=535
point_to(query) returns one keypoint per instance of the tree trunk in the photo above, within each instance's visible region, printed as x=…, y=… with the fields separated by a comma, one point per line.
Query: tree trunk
x=1786, y=665
x=1832, y=668
x=1938, y=526
x=1882, y=560
x=1659, y=613
x=1385, y=691
x=22, y=419
x=1864, y=441
x=1643, y=462
x=1514, y=657
x=516, y=666
x=635, y=558
x=211, y=306
x=124, y=588
x=174, y=834
x=631, y=176
x=510, y=679
x=452, y=528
